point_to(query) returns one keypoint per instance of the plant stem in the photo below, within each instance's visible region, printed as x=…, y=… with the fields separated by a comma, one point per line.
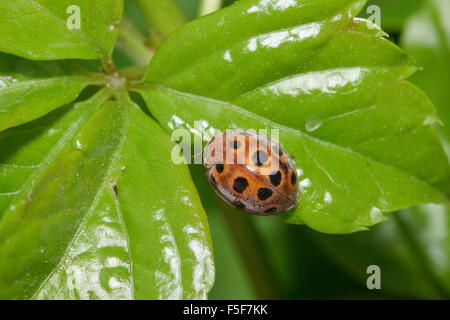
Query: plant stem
x=249, y=244
x=132, y=42
x=133, y=74
x=162, y=15
x=209, y=6
x=108, y=65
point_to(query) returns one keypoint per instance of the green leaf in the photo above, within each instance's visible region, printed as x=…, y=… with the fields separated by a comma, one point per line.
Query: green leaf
x=335, y=88
x=93, y=188
x=37, y=29
x=29, y=90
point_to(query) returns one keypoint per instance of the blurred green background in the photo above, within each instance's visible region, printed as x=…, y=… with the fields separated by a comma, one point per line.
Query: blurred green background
x=261, y=257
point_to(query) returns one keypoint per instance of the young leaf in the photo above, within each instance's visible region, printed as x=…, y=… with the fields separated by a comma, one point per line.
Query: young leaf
x=92, y=200
x=334, y=87
x=49, y=30
x=29, y=90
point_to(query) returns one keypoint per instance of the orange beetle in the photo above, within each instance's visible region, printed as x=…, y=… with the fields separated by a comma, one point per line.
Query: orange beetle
x=251, y=172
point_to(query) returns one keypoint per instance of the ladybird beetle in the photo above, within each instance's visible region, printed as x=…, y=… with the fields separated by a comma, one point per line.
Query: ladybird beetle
x=251, y=172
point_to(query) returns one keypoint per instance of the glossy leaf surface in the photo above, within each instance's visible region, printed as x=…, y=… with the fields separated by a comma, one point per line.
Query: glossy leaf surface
x=85, y=214
x=335, y=88
x=48, y=29
x=29, y=90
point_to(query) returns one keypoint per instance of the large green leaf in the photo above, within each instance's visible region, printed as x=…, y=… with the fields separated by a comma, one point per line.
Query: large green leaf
x=37, y=29
x=334, y=87
x=29, y=90
x=93, y=207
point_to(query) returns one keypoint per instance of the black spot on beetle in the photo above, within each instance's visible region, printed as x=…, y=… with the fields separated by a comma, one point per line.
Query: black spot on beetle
x=264, y=193
x=238, y=204
x=240, y=184
x=275, y=178
x=259, y=158
x=293, y=178
x=271, y=210
x=236, y=144
x=219, y=167
x=116, y=190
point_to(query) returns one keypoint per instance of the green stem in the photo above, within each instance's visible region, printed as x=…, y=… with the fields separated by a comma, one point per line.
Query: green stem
x=122, y=96
x=133, y=74
x=209, y=6
x=249, y=244
x=162, y=15
x=132, y=42
x=108, y=65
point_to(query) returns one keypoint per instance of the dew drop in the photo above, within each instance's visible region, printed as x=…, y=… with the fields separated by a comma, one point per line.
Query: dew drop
x=305, y=183
x=376, y=215
x=432, y=119
x=227, y=56
x=114, y=283
x=3, y=84
x=327, y=197
x=313, y=125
